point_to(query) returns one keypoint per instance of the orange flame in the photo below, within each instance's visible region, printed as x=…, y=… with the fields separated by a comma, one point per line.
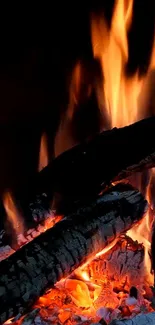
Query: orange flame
x=111, y=48
x=43, y=154
x=79, y=292
x=79, y=91
x=13, y=215
x=122, y=97
x=142, y=232
x=125, y=97
x=64, y=139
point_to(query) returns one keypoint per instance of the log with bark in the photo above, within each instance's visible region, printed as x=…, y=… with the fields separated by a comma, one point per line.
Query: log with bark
x=83, y=171
x=26, y=274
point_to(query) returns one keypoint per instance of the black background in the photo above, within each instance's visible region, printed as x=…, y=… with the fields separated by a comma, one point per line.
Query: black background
x=39, y=46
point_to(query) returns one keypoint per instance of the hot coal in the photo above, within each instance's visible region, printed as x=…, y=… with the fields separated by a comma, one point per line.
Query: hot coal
x=66, y=304
x=143, y=319
x=54, y=254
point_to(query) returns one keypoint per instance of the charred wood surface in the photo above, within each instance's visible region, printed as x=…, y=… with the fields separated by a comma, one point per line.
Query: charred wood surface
x=143, y=319
x=125, y=260
x=26, y=274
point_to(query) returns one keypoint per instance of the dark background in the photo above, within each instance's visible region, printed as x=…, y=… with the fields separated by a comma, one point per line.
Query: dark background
x=38, y=48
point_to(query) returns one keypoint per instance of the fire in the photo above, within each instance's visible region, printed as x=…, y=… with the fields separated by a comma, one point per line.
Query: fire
x=51, y=221
x=43, y=154
x=142, y=232
x=125, y=97
x=125, y=101
x=16, y=227
x=13, y=215
x=111, y=48
x=79, y=92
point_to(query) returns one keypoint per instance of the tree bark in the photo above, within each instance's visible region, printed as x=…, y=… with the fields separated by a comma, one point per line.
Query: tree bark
x=27, y=273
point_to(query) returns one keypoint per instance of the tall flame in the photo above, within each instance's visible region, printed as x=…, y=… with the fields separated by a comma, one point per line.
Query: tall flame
x=64, y=139
x=125, y=97
x=13, y=215
x=110, y=46
x=122, y=99
x=43, y=154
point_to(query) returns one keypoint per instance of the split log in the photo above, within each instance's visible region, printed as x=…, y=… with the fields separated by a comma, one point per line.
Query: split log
x=143, y=319
x=26, y=274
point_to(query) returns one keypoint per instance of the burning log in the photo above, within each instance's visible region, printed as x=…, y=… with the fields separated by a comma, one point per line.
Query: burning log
x=143, y=319
x=27, y=273
x=83, y=171
x=88, y=168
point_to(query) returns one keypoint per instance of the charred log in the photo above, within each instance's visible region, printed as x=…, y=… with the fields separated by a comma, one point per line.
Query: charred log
x=27, y=273
x=83, y=171
x=78, y=174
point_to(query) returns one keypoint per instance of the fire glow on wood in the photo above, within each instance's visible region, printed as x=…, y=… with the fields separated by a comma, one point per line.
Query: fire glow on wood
x=115, y=284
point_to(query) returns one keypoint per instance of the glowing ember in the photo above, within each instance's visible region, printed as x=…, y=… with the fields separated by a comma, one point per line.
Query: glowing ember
x=113, y=284
x=101, y=289
x=142, y=232
x=20, y=235
x=126, y=100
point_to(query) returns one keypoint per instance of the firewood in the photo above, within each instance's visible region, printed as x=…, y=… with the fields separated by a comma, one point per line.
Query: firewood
x=83, y=171
x=27, y=273
x=143, y=319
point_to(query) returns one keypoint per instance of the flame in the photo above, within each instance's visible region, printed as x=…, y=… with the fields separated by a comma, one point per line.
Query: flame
x=13, y=215
x=126, y=98
x=125, y=101
x=83, y=274
x=43, y=154
x=122, y=100
x=111, y=48
x=142, y=232
x=79, y=92
x=51, y=221
x=16, y=226
x=79, y=292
